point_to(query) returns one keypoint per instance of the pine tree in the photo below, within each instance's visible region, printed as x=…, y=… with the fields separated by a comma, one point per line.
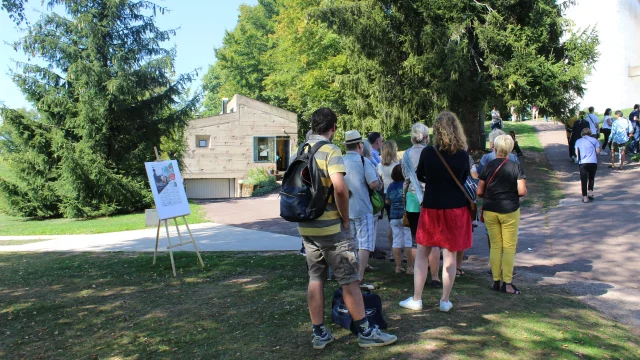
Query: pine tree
x=108, y=97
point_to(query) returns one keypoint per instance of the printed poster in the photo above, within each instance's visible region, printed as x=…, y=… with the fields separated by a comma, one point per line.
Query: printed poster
x=168, y=189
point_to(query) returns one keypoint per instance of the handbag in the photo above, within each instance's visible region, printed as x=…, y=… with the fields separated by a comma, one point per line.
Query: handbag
x=377, y=201
x=487, y=186
x=472, y=205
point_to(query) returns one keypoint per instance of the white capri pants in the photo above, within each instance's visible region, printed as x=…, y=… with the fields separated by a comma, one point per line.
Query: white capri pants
x=401, y=235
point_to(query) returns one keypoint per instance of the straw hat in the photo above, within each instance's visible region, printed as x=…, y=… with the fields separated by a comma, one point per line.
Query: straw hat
x=352, y=137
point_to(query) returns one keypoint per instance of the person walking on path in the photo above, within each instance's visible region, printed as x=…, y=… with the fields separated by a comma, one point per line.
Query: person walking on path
x=606, y=130
x=445, y=218
x=414, y=193
x=594, y=123
x=376, y=140
x=621, y=131
x=389, y=159
x=534, y=112
x=401, y=234
x=580, y=124
x=361, y=176
x=634, y=117
x=587, y=151
x=502, y=183
x=328, y=242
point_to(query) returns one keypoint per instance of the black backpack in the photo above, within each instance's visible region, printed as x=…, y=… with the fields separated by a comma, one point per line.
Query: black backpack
x=372, y=306
x=302, y=197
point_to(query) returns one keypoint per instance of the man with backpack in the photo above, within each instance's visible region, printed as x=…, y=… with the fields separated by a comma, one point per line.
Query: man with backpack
x=361, y=177
x=314, y=194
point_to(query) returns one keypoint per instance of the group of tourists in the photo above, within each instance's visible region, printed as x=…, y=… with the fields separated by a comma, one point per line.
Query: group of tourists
x=428, y=208
x=621, y=135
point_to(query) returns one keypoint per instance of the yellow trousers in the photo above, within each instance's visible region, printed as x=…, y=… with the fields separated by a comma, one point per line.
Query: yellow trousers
x=503, y=236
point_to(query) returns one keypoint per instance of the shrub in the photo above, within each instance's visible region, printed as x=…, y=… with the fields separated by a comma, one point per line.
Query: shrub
x=261, y=180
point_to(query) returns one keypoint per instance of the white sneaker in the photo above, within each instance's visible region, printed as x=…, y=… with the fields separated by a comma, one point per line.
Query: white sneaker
x=409, y=303
x=604, y=153
x=445, y=306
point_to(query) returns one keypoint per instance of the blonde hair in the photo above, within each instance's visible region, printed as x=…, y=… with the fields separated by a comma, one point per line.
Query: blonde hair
x=503, y=145
x=419, y=133
x=448, y=133
x=389, y=152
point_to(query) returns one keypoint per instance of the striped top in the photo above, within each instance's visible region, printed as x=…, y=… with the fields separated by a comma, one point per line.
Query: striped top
x=329, y=161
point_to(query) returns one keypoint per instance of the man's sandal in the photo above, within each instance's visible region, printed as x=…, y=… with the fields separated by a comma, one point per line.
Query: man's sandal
x=514, y=289
x=459, y=272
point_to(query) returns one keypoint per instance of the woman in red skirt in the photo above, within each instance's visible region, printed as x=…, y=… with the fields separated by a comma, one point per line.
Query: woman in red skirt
x=445, y=217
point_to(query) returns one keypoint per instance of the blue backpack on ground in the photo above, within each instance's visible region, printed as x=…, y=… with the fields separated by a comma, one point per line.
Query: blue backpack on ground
x=302, y=197
x=372, y=307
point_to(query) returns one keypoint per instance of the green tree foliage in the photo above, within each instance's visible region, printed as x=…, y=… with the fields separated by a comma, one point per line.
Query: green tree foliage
x=108, y=97
x=460, y=54
x=385, y=64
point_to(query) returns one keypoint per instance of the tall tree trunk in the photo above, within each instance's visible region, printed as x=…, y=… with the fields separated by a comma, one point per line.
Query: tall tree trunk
x=473, y=126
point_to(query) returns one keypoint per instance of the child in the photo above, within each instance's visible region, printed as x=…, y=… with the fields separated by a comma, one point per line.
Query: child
x=516, y=147
x=401, y=235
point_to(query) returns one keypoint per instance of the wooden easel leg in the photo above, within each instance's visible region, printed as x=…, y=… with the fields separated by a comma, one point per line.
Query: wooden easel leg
x=157, y=239
x=175, y=220
x=173, y=265
x=193, y=240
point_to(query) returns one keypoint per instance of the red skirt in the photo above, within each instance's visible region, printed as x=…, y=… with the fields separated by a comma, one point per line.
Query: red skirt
x=446, y=228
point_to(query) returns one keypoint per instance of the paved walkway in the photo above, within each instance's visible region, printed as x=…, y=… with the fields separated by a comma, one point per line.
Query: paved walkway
x=208, y=236
x=589, y=249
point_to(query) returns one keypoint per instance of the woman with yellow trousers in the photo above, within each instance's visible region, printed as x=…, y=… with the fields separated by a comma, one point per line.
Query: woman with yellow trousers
x=502, y=183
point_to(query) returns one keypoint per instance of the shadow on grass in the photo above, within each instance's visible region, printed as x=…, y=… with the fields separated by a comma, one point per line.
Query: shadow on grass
x=254, y=306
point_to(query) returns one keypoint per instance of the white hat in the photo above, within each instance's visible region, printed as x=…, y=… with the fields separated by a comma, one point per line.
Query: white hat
x=352, y=137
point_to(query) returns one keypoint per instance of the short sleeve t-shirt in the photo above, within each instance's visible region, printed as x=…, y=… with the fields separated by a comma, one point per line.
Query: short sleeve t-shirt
x=360, y=174
x=501, y=195
x=586, y=147
x=394, y=195
x=593, y=121
x=620, y=131
x=329, y=161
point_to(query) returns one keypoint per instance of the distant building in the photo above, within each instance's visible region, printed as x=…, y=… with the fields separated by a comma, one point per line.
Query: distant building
x=220, y=149
x=615, y=82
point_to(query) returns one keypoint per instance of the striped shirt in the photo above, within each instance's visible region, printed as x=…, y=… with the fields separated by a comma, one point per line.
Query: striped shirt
x=329, y=161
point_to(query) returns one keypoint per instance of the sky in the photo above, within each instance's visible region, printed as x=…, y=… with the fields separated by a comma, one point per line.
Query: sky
x=202, y=26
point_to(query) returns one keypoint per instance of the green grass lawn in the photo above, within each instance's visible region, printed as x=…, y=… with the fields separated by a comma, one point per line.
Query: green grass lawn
x=253, y=306
x=10, y=225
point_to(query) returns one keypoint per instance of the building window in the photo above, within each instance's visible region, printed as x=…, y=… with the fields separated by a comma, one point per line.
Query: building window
x=202, y=141
x=264, y=149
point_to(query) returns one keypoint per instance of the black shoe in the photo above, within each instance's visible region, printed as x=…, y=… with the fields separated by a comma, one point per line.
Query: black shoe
x=436, y=284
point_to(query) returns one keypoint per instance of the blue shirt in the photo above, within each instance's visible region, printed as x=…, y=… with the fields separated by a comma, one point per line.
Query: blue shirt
x=620, y=131
x=394, y=195
x=375, y=157
x=358, y=178
x=487, y=158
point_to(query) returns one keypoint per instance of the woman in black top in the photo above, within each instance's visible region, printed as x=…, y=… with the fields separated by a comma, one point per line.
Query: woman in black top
x=502, y=183
x=445, y=218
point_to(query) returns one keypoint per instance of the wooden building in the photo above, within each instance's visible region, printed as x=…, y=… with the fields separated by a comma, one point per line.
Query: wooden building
x=221, y=149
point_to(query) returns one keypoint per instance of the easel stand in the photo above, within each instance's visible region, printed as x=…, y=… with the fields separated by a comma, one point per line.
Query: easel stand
x=182, y=243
